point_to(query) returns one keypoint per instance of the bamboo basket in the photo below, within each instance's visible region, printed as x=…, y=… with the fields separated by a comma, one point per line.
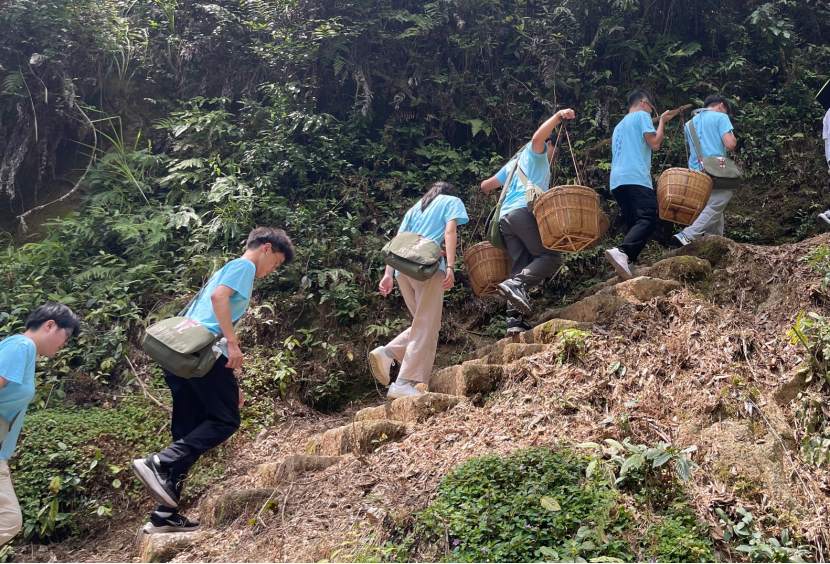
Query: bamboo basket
x=682, y=194
x=570, y=218
x=487, y=266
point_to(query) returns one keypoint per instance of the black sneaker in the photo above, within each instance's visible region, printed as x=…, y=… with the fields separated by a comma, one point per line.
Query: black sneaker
x=156, y=480
x=515, y=293
x=516, y=325
x=176, y=523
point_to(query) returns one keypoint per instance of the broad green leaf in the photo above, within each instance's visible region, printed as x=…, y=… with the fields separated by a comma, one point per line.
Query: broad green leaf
x=550, y=503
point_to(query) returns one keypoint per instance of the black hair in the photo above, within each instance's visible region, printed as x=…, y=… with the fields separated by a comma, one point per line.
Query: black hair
x=436, y=190
x=640, y=94
x=280, y=242
x=714, y=100
x=64, y=317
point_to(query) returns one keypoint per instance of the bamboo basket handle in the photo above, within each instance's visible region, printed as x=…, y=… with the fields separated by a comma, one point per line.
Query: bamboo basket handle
x=573, y=155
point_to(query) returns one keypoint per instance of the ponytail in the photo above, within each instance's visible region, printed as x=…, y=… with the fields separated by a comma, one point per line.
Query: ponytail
x=434, y=191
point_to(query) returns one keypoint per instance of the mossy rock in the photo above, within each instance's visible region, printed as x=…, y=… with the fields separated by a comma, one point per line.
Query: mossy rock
x=685, y=268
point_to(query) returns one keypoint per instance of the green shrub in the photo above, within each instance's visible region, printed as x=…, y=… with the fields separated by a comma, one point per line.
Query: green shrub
x=71, y=464
x=535, y=504
x=679, y=537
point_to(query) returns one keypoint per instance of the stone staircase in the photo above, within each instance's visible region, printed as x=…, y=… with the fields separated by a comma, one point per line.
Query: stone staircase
x=482, y=373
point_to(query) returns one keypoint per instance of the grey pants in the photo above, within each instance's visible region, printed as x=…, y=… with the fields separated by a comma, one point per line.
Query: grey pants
x=710, y=220
x=531, y=263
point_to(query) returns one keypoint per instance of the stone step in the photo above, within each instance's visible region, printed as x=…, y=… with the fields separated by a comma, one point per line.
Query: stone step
x=163, y=547
x=543, y=333
x=270, y=474
x=227, y=507
x=409, y=410
x=361, y=437
x=466, y=379
x=605, y=303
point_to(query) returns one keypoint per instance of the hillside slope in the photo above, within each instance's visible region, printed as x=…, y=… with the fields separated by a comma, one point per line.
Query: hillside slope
x=693, y=352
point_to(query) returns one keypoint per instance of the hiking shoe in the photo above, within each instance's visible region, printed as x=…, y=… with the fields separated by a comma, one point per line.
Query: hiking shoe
x=381, y=364
x=514, y=292
x=156, y=480
x=516, y=325
x=825, y=216
x=681, y=239
x=619, y=260
x=175, y=523
x=403, y=389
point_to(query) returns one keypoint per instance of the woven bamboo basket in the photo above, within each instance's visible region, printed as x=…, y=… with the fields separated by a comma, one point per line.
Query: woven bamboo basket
x=570, y=218
x=487, y=266
x=682, y=194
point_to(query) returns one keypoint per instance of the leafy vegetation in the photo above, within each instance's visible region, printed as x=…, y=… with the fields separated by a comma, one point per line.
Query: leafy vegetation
x=172, y=127
x=551, y=505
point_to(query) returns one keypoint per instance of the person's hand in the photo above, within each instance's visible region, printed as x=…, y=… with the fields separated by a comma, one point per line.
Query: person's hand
x=668, y=115
x=235, y=357
x=567, y=113
x=386, y=285
x=449, y=279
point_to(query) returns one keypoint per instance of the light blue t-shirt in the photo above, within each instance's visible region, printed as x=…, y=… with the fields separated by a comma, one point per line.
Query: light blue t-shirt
x=710, y=127
x=630, y=154
x=432, y=222
x=238, y=275
x=537, y=169
x=17, y=366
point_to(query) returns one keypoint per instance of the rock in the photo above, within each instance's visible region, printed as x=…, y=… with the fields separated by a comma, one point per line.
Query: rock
x=466, y=379
x=163, y=547
x=229, y=506
x=516, y=351
x=592, y=309
x=797, y=384
x=545, y=333
x=685, y=268
x=359, y=437
x=644, y=288
x=411, y=410
x=289, y=469
x=715, y=249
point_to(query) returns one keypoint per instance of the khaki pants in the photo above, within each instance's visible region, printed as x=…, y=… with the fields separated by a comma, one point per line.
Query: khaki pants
x=415, y=348
x=11, y=520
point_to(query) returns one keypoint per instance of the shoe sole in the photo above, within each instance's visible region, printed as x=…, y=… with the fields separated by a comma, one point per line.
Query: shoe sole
x=621, y=272
x=377, y=369
x=515, y=331
x=152, y=529
x=399, y=396
x=518, y=304
x=146, y=476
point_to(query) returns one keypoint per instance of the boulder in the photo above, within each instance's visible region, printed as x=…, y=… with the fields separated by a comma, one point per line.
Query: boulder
x=163, y=547
x=410, y=410
x=361, y=437
x=289, y=469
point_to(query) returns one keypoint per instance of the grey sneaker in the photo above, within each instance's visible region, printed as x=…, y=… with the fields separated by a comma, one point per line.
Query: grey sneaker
x=159, y=484
x=175, y=523
x=514, y=292
x=619, y=260
x=516, y=325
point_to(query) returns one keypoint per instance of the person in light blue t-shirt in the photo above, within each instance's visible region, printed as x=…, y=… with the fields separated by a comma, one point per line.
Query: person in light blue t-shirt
x=715, y=132
x=632, y=143
x=48, y=328
x=206, y=409
x=435, y=216
x=530, y=262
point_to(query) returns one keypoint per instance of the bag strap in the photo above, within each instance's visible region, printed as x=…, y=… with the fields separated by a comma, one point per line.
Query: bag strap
x=513, y=169
x=695, y=140
x=194, y=298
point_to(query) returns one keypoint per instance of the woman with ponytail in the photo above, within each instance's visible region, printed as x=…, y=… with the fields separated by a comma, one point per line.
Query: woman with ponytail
x=436, y=216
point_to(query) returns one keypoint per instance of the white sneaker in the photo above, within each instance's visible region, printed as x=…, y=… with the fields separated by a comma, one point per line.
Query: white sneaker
x=619, y=260
x=825, y=216
x=403, y=390
x=380, y=363
x=683, y=240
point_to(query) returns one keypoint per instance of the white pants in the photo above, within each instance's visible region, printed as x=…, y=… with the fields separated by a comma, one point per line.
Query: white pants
x=415, y=348
x=11, y=519
x=710, y=220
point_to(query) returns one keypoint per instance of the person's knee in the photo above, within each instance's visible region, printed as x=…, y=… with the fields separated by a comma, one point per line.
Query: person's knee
x=12, y=524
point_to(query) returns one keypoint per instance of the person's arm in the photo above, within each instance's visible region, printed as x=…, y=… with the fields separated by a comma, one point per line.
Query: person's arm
x=655, y=140
x=729, y=141
x=543, y=133
x=490, y=184
x=387, y=283
x=221, y=301
x=450, y=243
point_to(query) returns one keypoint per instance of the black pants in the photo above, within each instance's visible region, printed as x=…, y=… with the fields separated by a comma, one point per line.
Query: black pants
x=205, y=414
x=639, y=210
x=531, y=263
